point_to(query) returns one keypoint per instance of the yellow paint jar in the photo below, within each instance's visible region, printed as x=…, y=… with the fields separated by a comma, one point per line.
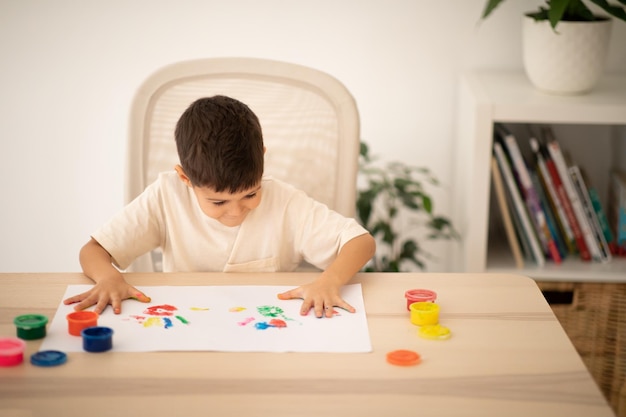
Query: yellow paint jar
x=424, y=313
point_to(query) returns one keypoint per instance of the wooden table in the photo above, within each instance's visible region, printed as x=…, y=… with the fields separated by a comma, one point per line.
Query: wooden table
x=508, y=356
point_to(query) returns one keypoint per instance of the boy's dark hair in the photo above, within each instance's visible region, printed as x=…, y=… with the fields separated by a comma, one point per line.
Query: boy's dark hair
x=220, y=144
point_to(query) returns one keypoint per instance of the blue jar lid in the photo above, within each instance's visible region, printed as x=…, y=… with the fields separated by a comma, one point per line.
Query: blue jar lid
x=48, y=358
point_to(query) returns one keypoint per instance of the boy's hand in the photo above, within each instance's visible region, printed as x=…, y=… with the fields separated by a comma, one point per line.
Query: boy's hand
x=320, y=295
x=107, y=292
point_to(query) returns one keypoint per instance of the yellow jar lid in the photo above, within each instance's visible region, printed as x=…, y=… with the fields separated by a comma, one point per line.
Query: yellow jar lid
x=435, y=332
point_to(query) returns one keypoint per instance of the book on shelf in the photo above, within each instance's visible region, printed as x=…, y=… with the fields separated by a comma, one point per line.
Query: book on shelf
x=509, y=227
x=569, y=198
x=596, y=231
x=530, y=195
x=557, y=207
x=601, y=214
x=519, y=228
x=550, y=216
x=617, y=207
x=527, y=230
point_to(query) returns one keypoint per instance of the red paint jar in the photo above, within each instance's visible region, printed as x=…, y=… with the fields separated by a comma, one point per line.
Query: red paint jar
x=419, y=295
x=11, y=351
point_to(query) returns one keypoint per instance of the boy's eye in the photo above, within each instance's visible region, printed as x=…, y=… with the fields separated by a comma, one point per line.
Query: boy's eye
x=249, y=196
x=219, y=203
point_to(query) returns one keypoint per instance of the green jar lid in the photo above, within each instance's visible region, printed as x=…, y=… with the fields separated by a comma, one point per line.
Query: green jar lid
x=31, y=326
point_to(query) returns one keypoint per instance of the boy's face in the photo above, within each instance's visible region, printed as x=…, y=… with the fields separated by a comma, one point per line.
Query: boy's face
x=229, y=209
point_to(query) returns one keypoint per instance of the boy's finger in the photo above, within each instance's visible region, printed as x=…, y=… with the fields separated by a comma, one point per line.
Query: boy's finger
x=75, y=299
x=116, y=305
x=290, y=295
x=319, y=309
x=305, y=308
x=346, y=307
x=100, y=306
x=83, y=303
x=71, y=300
x=139, y=296
x=81, y=306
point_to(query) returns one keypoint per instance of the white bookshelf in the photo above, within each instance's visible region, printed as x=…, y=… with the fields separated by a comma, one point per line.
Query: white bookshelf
x=489, y=97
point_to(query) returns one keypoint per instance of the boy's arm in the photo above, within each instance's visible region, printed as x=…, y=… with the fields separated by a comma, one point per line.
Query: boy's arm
x=110, y=288
x=324, y=293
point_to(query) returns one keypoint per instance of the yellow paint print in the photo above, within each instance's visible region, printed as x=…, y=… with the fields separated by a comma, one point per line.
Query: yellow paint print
x=152, y=321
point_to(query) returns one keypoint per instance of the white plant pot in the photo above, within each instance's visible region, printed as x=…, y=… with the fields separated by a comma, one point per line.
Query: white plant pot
x=568, y=61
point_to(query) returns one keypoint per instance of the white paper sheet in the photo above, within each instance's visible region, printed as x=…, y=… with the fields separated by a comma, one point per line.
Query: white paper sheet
x=220, y=318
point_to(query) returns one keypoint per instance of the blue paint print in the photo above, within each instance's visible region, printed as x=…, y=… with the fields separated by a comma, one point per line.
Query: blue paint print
x=273, y=323
x=168, y=323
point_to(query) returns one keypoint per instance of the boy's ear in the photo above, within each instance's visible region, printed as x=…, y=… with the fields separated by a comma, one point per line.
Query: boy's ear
x=183, y=177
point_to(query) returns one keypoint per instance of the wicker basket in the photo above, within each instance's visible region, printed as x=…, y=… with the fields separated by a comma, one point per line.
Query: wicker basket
x=592, y=322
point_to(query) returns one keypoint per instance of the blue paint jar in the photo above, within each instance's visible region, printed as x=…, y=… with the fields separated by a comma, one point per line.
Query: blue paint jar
x=97, y=339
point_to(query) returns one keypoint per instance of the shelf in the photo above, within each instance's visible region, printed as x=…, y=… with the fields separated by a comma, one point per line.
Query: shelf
x=501, y=261
x=489, y=97
x=513, y=99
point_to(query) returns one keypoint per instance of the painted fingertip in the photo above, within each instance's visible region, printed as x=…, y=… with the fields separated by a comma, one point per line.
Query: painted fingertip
x=141, y=298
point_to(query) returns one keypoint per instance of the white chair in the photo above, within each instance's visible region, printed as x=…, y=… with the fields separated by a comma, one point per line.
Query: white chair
x=309, y=119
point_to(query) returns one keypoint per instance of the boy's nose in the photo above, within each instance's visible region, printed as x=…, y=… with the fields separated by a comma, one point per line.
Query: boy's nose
x=235, y=210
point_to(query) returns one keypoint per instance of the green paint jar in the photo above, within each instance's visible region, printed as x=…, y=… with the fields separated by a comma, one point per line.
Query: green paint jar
x=31, y=326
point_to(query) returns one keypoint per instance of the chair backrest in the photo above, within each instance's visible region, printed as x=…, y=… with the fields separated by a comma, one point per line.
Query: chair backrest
x=309, y=119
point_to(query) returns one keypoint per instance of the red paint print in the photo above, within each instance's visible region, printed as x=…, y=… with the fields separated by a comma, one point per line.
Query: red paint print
x=161, y=310
x=139, y=319
x=277, y=323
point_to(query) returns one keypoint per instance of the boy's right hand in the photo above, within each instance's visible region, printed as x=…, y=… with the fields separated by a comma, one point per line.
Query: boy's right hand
x=105, y=292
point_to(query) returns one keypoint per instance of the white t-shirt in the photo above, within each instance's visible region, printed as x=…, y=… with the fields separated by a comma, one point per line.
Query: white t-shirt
x=286, y=228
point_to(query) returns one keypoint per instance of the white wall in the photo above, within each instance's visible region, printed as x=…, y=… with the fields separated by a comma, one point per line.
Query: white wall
x=69, y=70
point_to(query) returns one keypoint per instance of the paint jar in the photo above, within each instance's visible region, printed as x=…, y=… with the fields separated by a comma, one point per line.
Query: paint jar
x=31, y=326
x=424, y=313
x=419, y=295
x=11, y=351
x=79, y=320
x=48, y=358
x=97, y=339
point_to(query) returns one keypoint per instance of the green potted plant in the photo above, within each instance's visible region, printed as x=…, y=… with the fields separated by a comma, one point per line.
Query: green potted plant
x=565, y=44
x=556, y=11
x=391, y=194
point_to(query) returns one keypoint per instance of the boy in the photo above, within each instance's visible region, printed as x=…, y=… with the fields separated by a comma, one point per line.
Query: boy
x=216, y=212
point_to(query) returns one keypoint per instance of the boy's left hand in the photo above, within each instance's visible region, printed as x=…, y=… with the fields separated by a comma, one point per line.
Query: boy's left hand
x=320, y=296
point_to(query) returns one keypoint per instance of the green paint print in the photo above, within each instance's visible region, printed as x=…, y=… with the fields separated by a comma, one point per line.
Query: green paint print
x=270, y=311
x=274, y=313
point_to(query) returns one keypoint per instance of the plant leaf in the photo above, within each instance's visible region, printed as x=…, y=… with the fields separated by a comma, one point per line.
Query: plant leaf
x=615, y=11
x=364, y=208
x=427, y=202
x=490, y=6
x=556, y=11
